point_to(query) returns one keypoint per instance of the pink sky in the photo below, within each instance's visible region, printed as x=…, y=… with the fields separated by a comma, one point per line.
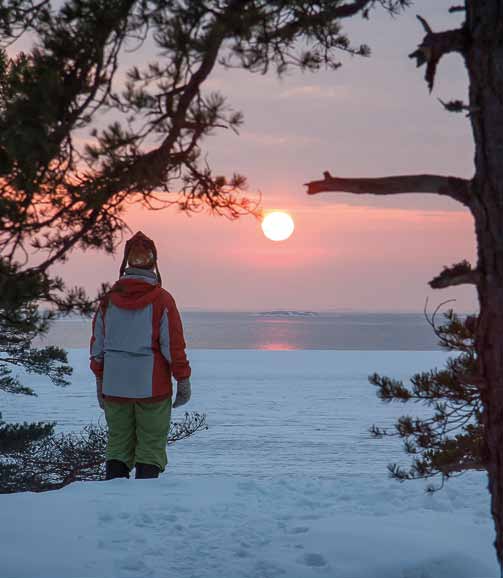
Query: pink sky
x=371, y=118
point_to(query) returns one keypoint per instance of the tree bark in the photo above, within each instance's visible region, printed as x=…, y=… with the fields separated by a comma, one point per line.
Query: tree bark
x=484, y=60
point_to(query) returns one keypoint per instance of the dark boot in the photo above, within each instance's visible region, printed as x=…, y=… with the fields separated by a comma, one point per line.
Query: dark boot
x=144, y=471
x=116, y=469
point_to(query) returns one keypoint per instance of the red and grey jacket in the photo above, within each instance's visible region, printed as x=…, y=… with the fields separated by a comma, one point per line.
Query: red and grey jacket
x=137, y=341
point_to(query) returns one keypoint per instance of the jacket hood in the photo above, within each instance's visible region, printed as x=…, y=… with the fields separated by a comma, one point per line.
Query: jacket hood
x=142, y=243
x=133, y=293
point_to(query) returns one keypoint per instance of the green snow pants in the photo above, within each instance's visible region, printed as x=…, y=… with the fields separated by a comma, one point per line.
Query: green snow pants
x=138, y=432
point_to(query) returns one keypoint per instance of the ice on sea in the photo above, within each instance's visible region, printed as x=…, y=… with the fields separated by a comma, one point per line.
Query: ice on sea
x=286, y=482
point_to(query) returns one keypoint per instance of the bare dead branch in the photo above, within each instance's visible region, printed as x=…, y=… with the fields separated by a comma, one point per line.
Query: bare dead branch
x=458, y=106
x=454, y=187
x=435, y=45
x=426, y=26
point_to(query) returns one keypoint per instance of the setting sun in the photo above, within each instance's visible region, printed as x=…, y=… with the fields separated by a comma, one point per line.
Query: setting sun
x=278, y=226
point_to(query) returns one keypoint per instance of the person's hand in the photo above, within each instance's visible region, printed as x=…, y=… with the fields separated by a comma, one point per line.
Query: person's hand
x=182, y=392
x=99, y=392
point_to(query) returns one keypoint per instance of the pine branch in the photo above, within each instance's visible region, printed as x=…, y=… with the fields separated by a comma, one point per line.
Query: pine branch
x=450, y=440
x=18, y=437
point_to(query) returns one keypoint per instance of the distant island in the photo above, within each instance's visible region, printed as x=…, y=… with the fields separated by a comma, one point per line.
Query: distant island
x=282, y=313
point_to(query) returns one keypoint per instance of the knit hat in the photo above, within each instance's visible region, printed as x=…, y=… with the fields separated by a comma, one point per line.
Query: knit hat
x=141, y=252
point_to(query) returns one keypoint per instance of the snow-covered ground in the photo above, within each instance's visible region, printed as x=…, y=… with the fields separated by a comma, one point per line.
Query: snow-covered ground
x=232, y=527
x=286, y=482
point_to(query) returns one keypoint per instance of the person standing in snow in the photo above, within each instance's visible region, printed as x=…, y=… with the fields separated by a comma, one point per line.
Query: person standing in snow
x=137, y=345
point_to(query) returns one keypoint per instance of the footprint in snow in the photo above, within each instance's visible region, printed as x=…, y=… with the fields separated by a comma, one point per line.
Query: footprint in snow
x=168, y=517
x=265, y=569
x=153, y=551
x=143, y=520
x=310, y=517
x=299, y=530
x=135, y=564
x=105, y=517
x=312, y=559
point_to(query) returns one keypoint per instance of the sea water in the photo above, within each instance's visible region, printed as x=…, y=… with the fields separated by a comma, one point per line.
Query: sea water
x=280, y=330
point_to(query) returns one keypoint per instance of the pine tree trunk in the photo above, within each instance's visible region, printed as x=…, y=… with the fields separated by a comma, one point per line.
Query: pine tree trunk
x=485, y=67
x=490, y=354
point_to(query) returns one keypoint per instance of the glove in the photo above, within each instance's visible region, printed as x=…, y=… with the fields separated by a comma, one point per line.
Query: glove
x=99, y=390
x=182, y=392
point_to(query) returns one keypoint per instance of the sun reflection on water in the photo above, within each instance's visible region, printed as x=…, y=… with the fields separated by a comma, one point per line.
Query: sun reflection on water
x=278, y=346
